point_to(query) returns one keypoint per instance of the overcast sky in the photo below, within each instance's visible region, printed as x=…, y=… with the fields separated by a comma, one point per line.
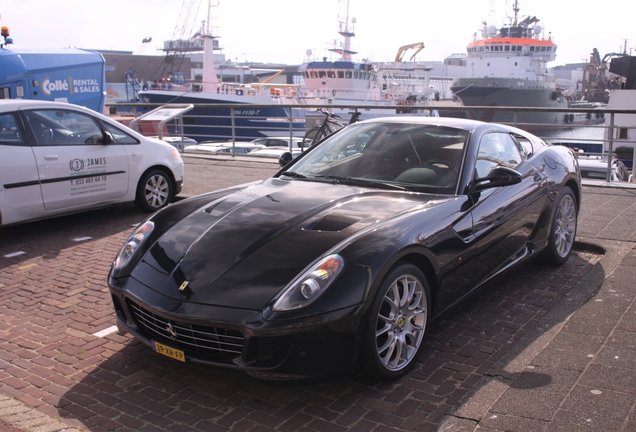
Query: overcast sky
x=281, y=31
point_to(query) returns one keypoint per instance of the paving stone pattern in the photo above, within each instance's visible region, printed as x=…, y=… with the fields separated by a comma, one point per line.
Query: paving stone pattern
x=54, y=297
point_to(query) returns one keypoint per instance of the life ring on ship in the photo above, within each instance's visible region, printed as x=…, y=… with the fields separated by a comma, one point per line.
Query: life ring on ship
x=274, y=92
x=239, y=92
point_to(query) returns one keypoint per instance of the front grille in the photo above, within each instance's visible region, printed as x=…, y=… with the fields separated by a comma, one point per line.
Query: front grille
x=207, y=342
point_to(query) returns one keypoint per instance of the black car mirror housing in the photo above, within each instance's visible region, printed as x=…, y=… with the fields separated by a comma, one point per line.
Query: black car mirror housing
x=500, y=176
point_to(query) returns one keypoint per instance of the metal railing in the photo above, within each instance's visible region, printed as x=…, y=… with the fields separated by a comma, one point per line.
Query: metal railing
x=245, y=122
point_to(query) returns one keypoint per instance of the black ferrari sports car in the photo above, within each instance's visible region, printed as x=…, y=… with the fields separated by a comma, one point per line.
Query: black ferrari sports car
x=344, y=257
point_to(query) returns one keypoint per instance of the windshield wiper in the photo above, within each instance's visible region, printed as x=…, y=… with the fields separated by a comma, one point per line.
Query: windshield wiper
x=362, y=182
x=293, y=174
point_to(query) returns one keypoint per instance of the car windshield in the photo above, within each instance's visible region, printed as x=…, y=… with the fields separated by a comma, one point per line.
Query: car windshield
x=416, y=157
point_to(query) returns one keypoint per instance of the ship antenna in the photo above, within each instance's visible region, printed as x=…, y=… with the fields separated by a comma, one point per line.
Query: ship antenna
x=516, y=10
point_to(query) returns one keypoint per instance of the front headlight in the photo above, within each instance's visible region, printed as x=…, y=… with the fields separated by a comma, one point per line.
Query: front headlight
x=311, y=284
x=132, y=244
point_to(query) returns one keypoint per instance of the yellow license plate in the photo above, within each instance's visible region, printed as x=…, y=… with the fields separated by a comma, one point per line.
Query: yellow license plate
x=169, y=352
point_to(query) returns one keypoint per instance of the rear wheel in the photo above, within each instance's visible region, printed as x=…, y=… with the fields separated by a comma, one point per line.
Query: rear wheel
x=397, y=324
x=154, y=191
x=563, y=229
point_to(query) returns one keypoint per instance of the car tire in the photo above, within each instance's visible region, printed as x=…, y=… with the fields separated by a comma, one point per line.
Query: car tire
x=154, y=191
x=562, y=229
x=396, y=326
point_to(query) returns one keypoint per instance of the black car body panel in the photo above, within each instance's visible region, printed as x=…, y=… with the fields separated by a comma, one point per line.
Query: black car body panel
x=236, y=251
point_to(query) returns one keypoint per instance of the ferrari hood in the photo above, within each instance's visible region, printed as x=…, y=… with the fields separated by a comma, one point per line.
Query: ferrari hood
x=242, y=249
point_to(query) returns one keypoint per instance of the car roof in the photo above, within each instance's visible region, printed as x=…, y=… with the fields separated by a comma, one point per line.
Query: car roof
x=13, y=104
x=437, y=121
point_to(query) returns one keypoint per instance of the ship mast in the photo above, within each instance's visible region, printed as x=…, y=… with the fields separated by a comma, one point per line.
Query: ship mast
x=347, y=34
x=210, y=81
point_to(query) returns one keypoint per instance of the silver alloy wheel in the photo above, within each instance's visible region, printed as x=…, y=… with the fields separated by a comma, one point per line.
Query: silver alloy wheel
x=401, y=322
x=565, y=226
x=156, y=191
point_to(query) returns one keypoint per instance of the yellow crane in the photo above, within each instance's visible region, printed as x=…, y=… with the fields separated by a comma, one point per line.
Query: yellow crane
x=419, y=46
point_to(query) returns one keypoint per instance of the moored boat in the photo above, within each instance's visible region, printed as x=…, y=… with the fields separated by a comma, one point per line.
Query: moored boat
x=508, y=68
x=340, y=85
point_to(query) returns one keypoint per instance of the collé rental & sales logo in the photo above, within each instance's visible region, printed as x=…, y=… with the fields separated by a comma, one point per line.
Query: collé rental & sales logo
x=49, y=86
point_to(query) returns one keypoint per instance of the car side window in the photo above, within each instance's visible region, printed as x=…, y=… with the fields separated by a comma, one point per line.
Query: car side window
x=10, y=131
x=59, y=127
x=496, y=149
x=119, y=136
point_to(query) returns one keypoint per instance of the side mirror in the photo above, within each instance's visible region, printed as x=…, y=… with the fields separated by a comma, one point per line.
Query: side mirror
x=284, y=159
x=108, y=138
x=500, y=176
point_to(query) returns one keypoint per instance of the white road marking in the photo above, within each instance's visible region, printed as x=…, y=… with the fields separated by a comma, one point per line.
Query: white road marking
x=79, y=239
x=106, y=332
x=11, y=255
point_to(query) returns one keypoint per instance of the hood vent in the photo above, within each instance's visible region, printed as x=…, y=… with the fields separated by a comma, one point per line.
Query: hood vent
x=332, y=223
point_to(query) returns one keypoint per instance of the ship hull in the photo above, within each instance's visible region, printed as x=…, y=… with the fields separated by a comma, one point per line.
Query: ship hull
x=498, y=92
x=210, y=120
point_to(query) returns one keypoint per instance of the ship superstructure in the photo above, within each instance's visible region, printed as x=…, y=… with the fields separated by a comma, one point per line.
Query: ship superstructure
x=508, y=66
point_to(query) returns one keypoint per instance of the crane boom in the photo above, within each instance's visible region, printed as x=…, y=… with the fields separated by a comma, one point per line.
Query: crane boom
x=419, y=46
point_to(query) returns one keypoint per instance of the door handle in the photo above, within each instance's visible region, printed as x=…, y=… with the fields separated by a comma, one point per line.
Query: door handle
x=50, y=157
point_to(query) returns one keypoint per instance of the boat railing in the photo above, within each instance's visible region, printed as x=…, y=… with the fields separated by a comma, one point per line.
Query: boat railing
x=604, y=136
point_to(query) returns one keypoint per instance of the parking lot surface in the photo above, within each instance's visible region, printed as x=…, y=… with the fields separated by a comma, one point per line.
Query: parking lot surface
x=63, y=367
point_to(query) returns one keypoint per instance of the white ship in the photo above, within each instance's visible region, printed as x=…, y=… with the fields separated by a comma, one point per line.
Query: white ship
x=507, y=67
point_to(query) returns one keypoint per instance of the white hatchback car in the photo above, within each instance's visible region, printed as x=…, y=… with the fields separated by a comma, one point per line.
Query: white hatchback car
x=58, y=158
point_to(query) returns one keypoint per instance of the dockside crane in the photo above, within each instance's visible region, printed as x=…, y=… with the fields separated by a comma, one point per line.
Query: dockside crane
x=181, y=42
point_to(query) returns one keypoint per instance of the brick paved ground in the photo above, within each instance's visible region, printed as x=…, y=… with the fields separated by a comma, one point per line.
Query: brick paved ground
x=53, y=298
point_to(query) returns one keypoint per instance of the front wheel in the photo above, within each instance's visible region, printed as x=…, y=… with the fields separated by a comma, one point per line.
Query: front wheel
x=314, y=135
x=154, y=191
x=563, y=229
x=395, y=330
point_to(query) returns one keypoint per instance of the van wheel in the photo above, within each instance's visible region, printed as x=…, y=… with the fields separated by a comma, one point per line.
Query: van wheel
x=154, y=191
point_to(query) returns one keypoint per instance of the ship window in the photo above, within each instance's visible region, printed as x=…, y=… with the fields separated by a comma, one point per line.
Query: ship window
x=5, y=93
x=622, y=133
x=531, y=48
x=322, y=74
x=347, y=74
x=340, y=74
x=507, y=48
x=542, y=49
x=331, y=74
x=549, y=49
x=314, y=74
x=355, y=74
